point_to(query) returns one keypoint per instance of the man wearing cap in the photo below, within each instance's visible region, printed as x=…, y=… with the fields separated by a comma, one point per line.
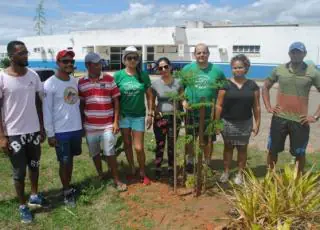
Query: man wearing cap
x=99, y=96
x=62, y=119
x=290, y=114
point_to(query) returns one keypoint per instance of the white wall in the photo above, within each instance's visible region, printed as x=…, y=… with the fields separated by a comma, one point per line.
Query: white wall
x=274, y=41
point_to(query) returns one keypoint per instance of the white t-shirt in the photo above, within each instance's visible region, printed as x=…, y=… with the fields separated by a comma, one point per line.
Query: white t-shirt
x=19, y=113
x=61, y=112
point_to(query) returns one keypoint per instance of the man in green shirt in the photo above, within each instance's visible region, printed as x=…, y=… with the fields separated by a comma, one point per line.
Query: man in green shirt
x=200, y=80
x=290, y=115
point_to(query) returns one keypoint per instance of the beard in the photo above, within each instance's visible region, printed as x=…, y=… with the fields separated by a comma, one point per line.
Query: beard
x=22, y=63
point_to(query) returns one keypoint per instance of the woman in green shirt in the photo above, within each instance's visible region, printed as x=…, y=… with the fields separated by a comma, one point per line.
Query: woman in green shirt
x=134, y=85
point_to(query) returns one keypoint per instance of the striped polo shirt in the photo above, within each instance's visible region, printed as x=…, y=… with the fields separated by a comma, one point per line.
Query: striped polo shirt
x=97, y=97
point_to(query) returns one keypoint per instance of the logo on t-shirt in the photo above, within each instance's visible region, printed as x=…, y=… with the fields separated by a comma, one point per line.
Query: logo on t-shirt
x=202, y=82
x=132, y=88
x=70, y=95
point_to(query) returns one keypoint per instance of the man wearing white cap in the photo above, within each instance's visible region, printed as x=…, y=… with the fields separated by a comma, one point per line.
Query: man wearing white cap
x=290, y=114
x=99, y=96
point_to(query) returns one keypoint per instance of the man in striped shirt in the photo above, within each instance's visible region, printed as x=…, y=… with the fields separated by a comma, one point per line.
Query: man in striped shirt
x=100, y=109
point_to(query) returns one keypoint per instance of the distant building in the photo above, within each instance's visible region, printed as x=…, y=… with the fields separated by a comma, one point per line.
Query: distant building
x=265, y=45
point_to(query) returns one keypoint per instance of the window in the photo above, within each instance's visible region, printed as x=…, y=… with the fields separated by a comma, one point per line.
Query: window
x=170, y=49
x=37, y=50
x=150, y=49
x=247, y=49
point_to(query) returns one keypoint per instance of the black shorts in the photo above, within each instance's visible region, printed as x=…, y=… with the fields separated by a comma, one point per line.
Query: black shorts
x=280, y=129
x=192, y=127
x=24, y=151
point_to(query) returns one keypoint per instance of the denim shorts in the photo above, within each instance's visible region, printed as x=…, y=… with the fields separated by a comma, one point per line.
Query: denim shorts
x=105, y=139
x=134, y=123
x=68, y=145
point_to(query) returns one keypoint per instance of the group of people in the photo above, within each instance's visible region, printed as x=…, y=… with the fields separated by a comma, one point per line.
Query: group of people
x=99, y=106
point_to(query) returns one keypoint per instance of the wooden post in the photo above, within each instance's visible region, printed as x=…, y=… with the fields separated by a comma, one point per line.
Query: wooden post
x=174, y=147
x=201, y=147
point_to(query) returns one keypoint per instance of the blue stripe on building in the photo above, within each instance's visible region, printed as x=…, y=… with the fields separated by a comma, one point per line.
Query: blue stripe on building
x=257, y=70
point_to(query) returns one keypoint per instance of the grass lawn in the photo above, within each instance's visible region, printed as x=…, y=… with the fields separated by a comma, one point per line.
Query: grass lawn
x=99, y=205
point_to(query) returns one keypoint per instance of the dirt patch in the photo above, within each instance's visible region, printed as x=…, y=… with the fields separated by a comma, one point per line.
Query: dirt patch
x=160, y=208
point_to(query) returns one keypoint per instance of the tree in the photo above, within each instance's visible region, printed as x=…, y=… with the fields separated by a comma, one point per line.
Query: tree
x=40, y=18
x=4, y=63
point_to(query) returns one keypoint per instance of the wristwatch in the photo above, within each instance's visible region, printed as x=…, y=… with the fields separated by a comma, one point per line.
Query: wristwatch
x=316, y=117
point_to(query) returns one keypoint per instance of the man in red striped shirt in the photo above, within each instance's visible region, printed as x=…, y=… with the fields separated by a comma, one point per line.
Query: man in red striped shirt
x=100, y=112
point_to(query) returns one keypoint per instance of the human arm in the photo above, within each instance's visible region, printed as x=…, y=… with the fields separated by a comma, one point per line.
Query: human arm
x=116, y=109
x=47, y=107
x=256, y=112
x=4, y=143
x=268, y=83
x=219, y=107
x=306, y=119
x=150, y=105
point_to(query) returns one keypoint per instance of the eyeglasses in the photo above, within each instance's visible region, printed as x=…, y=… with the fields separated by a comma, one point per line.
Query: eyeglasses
x=162, y=68
x=67, y=61
x=130, y=58
x=22, y=53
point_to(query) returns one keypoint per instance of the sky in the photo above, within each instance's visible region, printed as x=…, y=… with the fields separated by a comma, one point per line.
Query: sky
x=63, y=16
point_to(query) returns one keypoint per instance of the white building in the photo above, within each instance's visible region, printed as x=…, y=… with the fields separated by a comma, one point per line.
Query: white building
x=265, y=45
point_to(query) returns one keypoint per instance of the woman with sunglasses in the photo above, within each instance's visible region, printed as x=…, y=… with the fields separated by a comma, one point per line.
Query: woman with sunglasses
x=238, y=101
x=163, y=122
x=134, y=84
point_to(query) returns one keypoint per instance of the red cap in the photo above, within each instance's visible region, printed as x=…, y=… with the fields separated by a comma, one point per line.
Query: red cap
x=64, y=53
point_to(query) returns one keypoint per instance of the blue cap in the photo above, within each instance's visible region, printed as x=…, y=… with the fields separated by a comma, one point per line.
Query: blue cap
x=298, y=46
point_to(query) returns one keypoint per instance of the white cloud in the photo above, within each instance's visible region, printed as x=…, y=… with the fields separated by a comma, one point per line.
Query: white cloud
x=142, y=13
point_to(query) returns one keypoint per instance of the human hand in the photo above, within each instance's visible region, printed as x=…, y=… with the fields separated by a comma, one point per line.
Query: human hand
x=4, y=144
x=115, y=128
x=275, y=110
x=149, y=121
x=52, y=141
x=306, y=120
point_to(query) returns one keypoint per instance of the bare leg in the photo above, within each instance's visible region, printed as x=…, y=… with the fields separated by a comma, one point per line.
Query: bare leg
x=272, y=160
x=112, y=163
x=65, y=172
x=242, y=157
x=227, y=156
x=19, y=186
x=138, y=143
x=34, y=178
x=300, y=162
x=127, y=142
x=97, y=163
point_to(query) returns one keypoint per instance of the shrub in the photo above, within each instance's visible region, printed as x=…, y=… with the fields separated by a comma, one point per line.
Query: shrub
x=279, y=201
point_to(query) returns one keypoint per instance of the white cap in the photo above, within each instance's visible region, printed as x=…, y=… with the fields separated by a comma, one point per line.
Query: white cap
x=129, y=50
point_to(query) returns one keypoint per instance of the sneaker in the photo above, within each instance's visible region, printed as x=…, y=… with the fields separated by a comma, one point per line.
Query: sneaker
x=25, y=215
x=37, y=201
x=238, y=180
x=145, y=180
x=189, y=168
x=224, y=177
x=69, y=199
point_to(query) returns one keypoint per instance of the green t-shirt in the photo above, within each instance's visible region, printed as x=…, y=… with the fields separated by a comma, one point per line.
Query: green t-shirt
x=132, y=93
x=294, y=88
x=201, y=83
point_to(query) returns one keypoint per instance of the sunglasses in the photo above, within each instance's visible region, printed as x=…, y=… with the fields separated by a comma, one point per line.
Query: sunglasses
x=130, y=58
x=67, y=61
x=22, y=53
x=162, y=68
